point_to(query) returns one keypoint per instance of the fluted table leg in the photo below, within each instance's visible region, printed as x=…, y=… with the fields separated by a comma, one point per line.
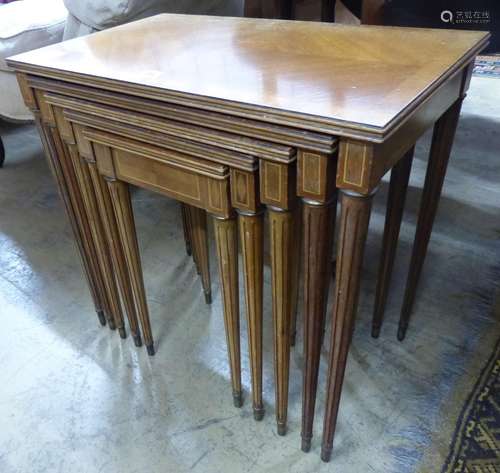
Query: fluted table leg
x=96, y=227
x=400, y=176
x=105, y=208
x=73, y=212
x=226, y=238
x=354, y=219
x=252, y=240
x=296, y=257
x=122, y=208
x=442, y=141
x=186, y=228
x=318, y=221
x=200, y=247
x=281, y=242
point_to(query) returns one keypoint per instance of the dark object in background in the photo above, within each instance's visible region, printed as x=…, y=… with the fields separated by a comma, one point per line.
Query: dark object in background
x=318, y=10
x=2, y=153
x=482, y=15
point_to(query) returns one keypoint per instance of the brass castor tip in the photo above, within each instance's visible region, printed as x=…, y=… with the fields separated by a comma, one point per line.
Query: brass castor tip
x=237, y=399
x=137, y=340
x=102, y=318
x=326, y=454
x=208, y=297
x=281, y=429
x=258, y=413
x=122, y=332
x=111, y=324
x=151, y=349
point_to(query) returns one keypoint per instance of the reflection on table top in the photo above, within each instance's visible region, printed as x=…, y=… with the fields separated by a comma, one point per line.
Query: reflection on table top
x=363, y=75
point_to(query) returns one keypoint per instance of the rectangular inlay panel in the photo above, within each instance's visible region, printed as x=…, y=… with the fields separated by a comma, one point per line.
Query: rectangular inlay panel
x=310, y=169
x=354, y=162
x=161, y=176
x=272, y=188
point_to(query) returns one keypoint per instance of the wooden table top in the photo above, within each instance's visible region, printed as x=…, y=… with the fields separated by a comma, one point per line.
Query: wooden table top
x=341, y=76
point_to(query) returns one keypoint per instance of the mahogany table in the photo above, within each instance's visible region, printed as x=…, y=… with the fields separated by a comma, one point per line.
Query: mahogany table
x=233, y=116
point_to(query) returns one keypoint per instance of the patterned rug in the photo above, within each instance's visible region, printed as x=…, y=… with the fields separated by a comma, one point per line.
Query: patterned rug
x=487, y=66
x=475, y=447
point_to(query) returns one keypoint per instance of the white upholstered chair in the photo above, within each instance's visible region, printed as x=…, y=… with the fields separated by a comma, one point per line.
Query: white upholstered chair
x=24, y=25
x=87, y=16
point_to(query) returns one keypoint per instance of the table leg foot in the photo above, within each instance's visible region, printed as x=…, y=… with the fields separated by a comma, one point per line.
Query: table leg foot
x=122, y=332
x=281, y=428
x=306, y=444
x=258, y=413
x=111, y=323
x=238, y=399
x=150, y=349
x=402, y=331
x=101, y=317
x=137, y=340
x=326, y=454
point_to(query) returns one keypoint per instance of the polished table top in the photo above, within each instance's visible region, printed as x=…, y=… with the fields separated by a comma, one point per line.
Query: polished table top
x=343, y=75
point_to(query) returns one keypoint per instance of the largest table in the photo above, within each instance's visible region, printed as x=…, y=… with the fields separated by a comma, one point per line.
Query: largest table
x=231, y=114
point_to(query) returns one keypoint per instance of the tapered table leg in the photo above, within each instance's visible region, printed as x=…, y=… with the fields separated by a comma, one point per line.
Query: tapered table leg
x=281, y=243
x=400, y=176
x=72, y=209
x=200, y=246
x=252, y=242
x=122, y=207
x=318, y=222
x=296, y=257
x=190, y=218
x=354, y=219
x=226, y=238
x=105, y=208
x=98, y=234
x=186, y=228
x=442, y=141
x=83, y=222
